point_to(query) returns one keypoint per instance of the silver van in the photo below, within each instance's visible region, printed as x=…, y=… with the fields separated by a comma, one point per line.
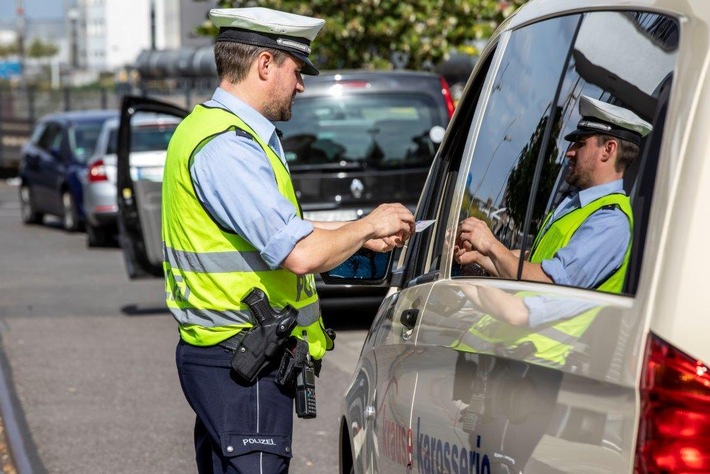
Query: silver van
x=602, y=382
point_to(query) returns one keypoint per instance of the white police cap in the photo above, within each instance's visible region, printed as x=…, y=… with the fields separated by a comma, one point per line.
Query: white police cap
x=268, y=28
x=607, y=119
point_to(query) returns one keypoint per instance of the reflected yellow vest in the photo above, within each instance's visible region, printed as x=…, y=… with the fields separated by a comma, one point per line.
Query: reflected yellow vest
x=209, y=269
x=553, y=342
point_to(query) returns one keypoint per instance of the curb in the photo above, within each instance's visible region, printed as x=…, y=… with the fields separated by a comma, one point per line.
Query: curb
x=17, y=434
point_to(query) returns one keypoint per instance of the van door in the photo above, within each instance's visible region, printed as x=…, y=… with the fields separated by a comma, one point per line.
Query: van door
x=139, y=197
x=555, y=391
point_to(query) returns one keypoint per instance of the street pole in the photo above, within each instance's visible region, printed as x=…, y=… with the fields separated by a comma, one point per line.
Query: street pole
x=21, y=39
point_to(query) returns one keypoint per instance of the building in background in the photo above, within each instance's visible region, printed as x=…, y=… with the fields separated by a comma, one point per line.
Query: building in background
x=96, y=37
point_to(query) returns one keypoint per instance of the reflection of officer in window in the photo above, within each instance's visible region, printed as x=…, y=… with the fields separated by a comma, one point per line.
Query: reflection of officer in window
x=505, y=400
x=586, y=241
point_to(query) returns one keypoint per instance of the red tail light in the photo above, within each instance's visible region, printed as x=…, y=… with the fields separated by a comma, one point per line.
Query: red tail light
x=674, y=430
x=446, y=91
x=97, y=172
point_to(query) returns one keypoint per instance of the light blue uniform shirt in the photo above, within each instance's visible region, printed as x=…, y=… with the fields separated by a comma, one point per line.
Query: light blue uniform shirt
x=595, y=250
x=235, y=182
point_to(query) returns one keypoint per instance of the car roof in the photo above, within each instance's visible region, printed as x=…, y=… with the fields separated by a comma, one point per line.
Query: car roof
x=78, y=116
x=144, y=119
x=377, y=81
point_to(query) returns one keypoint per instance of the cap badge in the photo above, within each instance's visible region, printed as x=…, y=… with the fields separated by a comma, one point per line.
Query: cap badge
x=294, y=45
x=594, y=125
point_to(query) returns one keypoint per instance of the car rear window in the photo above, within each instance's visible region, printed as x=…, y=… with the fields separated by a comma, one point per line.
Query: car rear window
x=84, y=136
x=379, y=130
x=153, y=137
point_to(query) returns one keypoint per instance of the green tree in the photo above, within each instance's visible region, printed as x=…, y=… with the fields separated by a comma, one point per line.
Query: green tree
x=521, y=177
x=365, y=33
x=40, y=49
x=10, y=49
x=36, y=49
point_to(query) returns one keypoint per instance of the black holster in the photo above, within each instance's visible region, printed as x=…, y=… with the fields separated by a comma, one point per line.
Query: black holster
x=264, y=343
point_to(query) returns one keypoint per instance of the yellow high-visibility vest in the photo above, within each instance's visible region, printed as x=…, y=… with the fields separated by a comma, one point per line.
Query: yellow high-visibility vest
x=209, y=269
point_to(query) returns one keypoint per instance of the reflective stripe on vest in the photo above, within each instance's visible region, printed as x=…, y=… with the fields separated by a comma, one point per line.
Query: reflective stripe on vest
x=210, y=269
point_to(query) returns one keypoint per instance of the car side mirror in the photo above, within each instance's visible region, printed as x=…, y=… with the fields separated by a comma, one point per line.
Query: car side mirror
x=365, y=267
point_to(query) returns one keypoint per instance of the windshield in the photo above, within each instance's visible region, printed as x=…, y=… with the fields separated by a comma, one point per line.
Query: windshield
x=381, y=130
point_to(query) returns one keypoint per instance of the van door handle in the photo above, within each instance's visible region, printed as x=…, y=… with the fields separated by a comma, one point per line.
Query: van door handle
x=409, y=317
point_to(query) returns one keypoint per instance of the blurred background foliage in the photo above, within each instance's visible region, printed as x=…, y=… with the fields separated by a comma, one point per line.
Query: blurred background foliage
x=377, y=34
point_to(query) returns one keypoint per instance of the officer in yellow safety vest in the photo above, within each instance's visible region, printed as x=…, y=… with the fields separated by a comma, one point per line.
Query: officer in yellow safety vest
x=231, y=223
x=585, y=242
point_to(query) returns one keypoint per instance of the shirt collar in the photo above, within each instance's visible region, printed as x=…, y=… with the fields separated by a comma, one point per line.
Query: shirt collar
x=263, y=127
x=595, y=192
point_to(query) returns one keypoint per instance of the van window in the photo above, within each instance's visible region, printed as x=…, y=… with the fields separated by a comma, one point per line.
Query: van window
x=518, y=170
x=424, y=251
x=520, y=107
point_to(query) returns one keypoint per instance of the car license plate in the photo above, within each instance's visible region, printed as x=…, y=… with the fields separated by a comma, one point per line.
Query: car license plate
x=331, y=215
x=148, y=173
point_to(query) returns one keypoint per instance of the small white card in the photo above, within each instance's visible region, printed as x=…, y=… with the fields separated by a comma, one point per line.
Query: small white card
x=421, y=225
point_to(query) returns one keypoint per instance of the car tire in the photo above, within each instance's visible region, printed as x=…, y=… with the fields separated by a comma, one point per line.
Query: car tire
x=70, y=217
x=97, y=236
x=27, y=207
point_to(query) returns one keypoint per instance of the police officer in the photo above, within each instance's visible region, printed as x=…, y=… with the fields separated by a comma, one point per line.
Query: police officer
x=586, y=241
x=231, y=223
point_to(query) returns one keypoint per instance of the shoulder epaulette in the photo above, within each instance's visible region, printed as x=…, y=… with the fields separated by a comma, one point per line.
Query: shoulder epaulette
x=242, y=133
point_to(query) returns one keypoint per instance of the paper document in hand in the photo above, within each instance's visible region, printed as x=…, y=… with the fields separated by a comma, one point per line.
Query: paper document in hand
x=421, y=225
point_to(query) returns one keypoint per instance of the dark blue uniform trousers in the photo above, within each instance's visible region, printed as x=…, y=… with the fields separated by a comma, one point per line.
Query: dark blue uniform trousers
x=240, y=427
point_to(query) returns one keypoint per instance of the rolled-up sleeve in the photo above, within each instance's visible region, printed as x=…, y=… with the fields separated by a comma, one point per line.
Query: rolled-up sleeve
x=549, y=309
x=235, y=183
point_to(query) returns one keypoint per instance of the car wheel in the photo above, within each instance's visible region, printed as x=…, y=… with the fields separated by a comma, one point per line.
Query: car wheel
x=27, y=207
x=97, y=236
x=70, y=219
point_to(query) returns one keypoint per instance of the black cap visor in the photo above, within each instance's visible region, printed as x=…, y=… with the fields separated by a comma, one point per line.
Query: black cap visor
x=587, y=127
x=308, y=67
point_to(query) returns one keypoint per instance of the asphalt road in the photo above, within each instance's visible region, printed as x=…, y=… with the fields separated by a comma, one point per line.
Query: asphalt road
x=87, y=362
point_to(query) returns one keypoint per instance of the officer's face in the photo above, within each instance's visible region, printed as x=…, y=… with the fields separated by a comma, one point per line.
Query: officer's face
x=286, y=83
x=582, y=155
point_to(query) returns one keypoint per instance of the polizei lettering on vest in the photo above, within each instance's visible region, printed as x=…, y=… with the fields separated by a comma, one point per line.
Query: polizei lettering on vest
x=303, y=285
x=180, y=291
x=435, y=456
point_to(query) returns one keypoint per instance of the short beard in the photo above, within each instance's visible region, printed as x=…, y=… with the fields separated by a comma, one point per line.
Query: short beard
x=277, y=113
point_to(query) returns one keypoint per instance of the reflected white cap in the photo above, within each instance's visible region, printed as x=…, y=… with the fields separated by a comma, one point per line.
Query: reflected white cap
x=602, y=118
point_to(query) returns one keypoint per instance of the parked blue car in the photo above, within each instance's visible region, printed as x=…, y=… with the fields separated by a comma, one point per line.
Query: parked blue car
x=52, y=162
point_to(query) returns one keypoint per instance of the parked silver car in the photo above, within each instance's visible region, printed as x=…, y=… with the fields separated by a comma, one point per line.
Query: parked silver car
x=52, y=163
x=149, y=142
x=455, y=374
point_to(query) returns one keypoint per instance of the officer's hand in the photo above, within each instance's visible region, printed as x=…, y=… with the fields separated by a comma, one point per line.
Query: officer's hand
x=385, y=244
x=392, y=222
x=474, y=234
